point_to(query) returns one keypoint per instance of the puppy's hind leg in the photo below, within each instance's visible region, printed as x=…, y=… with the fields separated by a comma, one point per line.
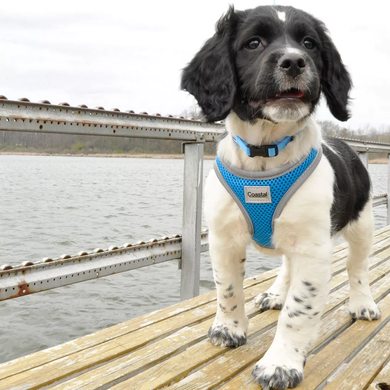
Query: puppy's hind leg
x=231, y=323
x=359, y=235
x=275, y=297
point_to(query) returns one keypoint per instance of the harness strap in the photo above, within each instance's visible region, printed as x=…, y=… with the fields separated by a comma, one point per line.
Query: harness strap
x=262, y=195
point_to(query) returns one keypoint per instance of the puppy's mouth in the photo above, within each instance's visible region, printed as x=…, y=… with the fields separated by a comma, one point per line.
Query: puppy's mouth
x=292, y=94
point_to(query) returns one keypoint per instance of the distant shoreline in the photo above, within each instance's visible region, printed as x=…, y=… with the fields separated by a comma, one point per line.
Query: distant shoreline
x=378, y=161
x=106, y=155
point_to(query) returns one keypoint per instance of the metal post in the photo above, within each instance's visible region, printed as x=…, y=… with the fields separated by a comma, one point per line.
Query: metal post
x=192, y=219
x=364, y=158
x=388, y=189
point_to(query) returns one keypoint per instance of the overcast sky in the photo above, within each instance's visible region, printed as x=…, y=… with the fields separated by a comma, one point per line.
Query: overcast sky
x=129, y=54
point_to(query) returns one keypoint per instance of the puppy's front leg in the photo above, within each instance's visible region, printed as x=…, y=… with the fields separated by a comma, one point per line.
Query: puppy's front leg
x=231, y=323
x=282, y=365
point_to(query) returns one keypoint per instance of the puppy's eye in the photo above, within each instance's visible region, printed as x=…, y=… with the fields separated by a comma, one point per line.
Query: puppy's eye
x=254, y=43
x=310, y=44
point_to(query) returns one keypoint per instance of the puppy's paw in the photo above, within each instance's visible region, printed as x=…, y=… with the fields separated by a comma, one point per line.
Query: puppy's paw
x=364, y=310
x=272, y=376
x=228, y=335
x=269, y=300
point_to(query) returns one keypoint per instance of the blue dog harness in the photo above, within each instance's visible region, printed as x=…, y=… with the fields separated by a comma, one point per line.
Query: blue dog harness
x=262, y=195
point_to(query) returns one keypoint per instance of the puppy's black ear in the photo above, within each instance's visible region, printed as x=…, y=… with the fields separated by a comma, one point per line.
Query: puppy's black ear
x=211, y=76
x=336, y=81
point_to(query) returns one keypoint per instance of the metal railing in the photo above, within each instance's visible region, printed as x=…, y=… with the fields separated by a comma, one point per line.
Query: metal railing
x=43, y=117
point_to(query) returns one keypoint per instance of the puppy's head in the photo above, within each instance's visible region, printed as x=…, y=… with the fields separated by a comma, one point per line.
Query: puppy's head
x=270, y=63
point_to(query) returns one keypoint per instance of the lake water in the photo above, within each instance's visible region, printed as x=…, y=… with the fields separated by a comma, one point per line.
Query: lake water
x=51, y=206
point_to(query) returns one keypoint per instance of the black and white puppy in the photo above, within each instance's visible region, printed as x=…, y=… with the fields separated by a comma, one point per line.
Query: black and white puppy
x=264, y=71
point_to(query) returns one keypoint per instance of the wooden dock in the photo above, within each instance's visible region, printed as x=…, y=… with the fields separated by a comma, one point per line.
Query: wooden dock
x=169, y=347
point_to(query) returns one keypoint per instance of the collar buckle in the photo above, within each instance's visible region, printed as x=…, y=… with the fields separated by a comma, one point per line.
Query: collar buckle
x=263, y=150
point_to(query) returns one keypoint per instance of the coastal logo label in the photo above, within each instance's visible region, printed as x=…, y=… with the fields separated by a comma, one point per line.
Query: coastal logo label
x=257, y=194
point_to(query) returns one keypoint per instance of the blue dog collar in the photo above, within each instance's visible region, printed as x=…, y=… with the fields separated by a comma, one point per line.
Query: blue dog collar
x=263, y=150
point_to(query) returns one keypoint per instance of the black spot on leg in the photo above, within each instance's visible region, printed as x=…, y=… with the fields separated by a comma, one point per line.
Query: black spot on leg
x=289, y=326
x=296, y=350
x=223, y=308
x=242, y=260
x=359, y=281
x=236, y=322
x=316, y=313
x=243, y=274
x=308, y=284
x=218, y=282
x=311, y=289
x=296, y=313
x=229, y=295
x=234, y=308
x=308, y=307
x=296, y=299
x=230, y=288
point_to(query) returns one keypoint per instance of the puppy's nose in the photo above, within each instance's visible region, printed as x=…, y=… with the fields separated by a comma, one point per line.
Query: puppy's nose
x=292, y=63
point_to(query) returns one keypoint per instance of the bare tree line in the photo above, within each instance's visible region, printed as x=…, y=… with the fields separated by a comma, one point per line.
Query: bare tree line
x=11, y=141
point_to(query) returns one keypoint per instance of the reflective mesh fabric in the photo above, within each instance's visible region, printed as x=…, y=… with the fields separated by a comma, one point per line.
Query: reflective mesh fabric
x=261, y=214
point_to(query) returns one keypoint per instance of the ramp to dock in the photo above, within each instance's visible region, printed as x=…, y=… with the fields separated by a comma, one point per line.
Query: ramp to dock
x=169, y=347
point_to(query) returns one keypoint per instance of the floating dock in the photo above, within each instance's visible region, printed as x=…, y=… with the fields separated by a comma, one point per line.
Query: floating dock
x=169, y=348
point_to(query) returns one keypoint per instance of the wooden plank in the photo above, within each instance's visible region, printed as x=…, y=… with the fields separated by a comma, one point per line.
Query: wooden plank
x=86, y=358
x=94, y=339
x=95, y=343
x=70, y=364
x=382, y=380
x=89, y=340
x=231, y=363
x=178, y=367
x=89, y=358
x=330, y=325
x=142, y=358
x=325, y=362
x=365, y=365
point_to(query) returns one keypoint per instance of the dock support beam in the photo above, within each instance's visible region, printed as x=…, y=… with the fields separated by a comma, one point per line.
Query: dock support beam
x=192, y=219
x=388, y=189
x=364, y=158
